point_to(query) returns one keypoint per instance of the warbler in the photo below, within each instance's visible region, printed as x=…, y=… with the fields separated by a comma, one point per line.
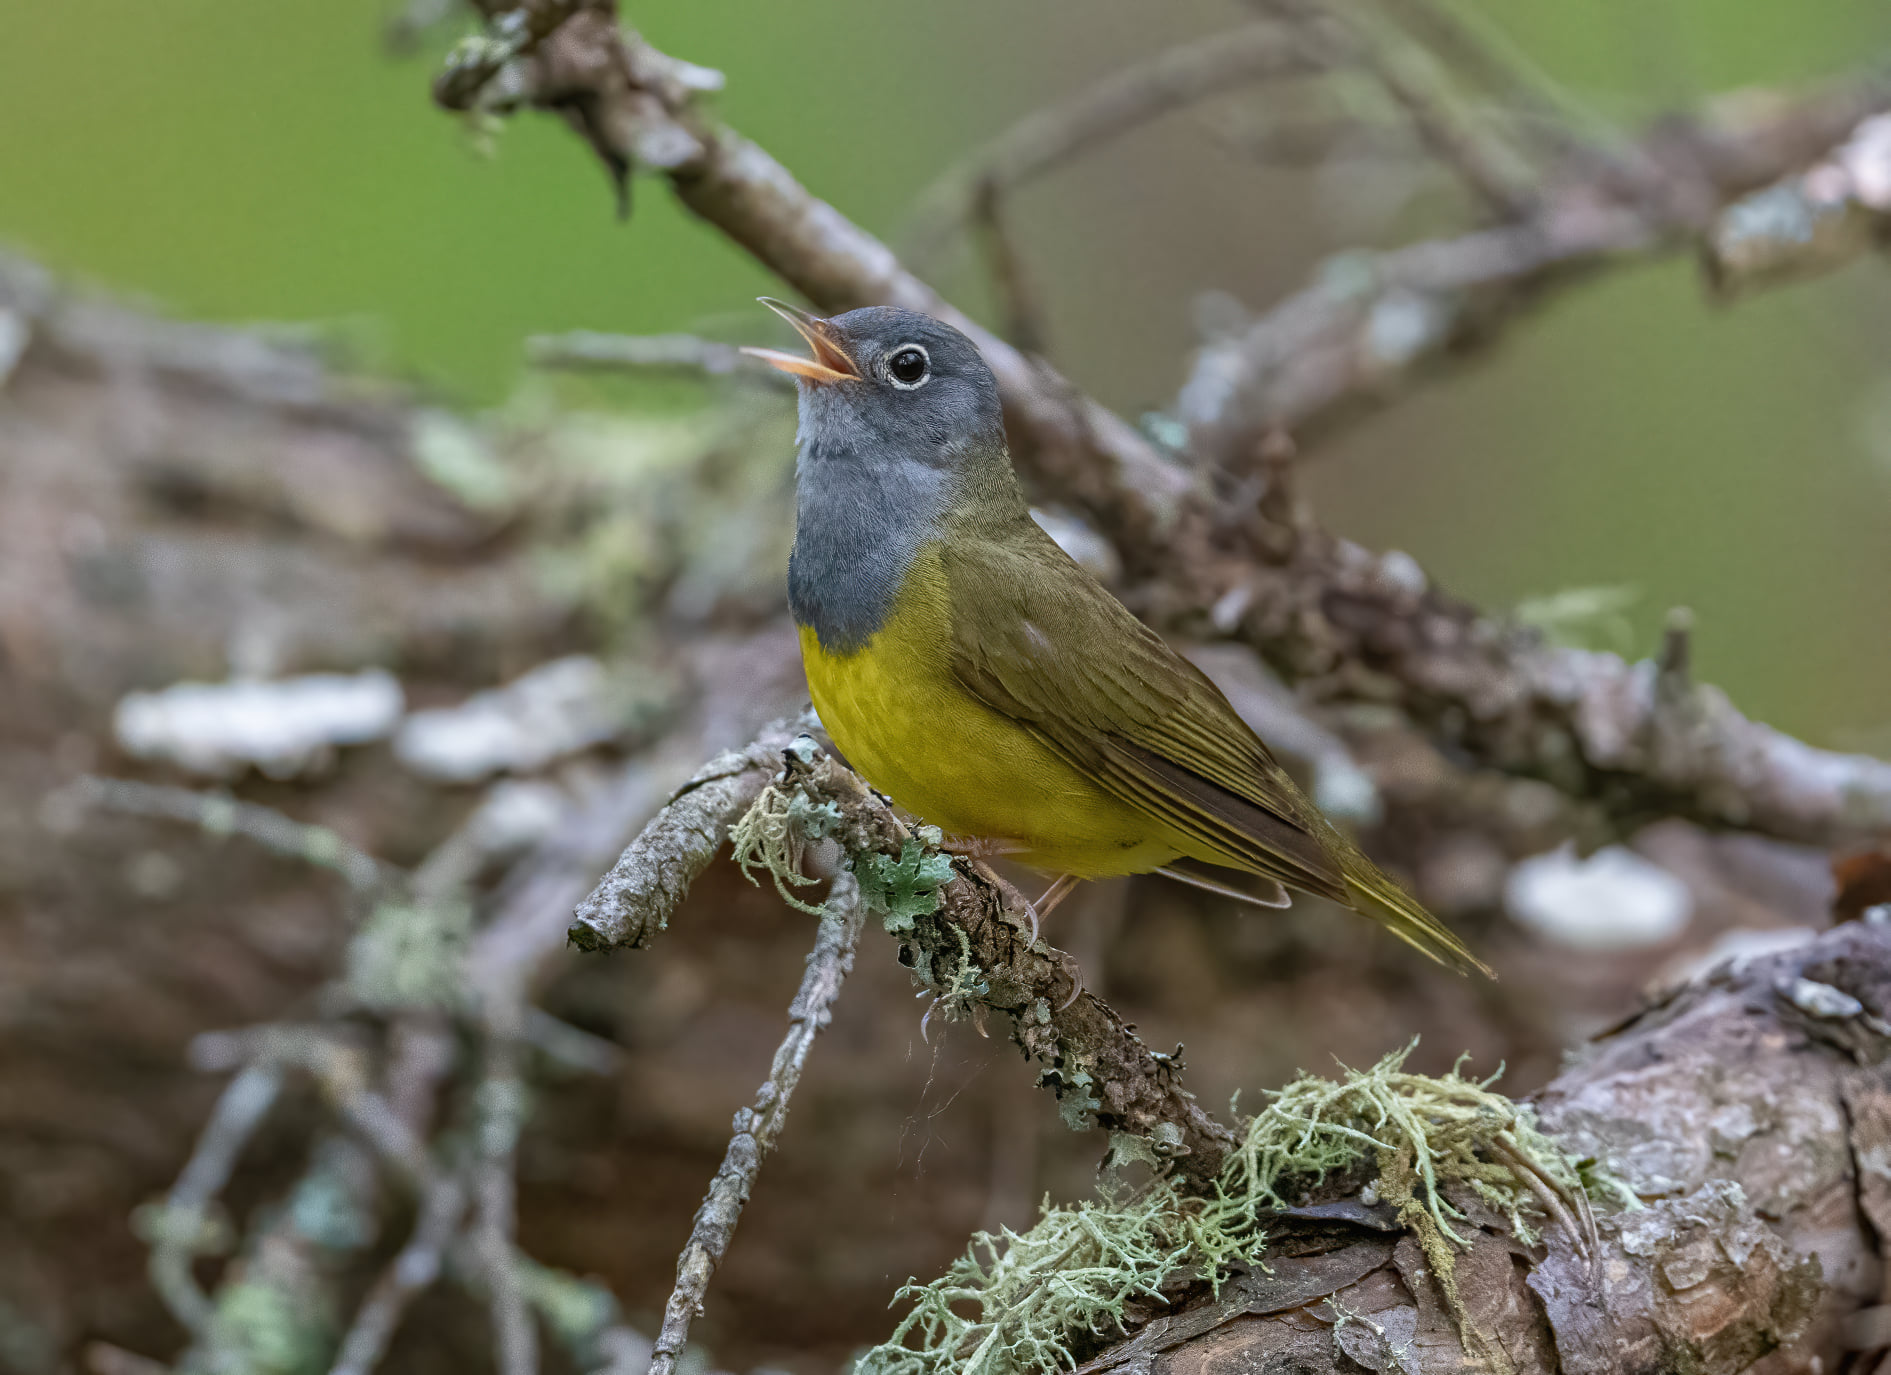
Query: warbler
x=975, y=673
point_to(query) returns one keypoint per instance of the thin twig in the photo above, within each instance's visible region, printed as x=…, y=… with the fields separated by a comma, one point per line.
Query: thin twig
x=501, y=1109
x=219, y=814
x=1124, y=100
x=409, y=1274
x=1541, y=110
x=1019, y=308
x=758, y=1125
x=635, y=900
x=180, y=1231
x=1485, y=165
x=589, y=351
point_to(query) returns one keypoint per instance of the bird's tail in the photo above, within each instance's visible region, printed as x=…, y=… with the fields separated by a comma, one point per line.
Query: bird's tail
x=1374, y=894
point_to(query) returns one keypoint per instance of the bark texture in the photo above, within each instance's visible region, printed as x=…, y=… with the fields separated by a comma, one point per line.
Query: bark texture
x=1748, y=1112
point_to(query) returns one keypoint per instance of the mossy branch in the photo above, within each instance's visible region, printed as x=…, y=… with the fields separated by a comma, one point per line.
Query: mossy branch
x=1043, y=1300
x=967, y=934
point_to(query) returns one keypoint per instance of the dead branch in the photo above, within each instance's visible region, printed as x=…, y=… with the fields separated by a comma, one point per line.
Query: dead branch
x=412, y=1271
x=588, y=351
x=758, y=1125
x=1741, y=1111
x=1372, y=323
x=635, y=900
x=1138, y=94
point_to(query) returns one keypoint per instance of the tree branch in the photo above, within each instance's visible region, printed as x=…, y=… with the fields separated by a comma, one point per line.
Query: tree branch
x=1758, y=1228
x=635, y=900
x=1138, y=94
x=1371, y=323
x=758, y=1125
x=972, y=946
x=975, y=949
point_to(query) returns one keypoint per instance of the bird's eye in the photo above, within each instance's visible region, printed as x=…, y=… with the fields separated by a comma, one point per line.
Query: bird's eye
x=908, y=367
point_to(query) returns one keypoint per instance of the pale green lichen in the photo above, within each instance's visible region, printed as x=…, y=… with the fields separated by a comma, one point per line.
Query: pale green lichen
x=773, y=835
x=1041, y=1301
x=260, y=1330
x=903, y=889
x=411, y=955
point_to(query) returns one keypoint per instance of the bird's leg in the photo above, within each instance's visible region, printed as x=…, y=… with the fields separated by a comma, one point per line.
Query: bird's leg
x=982, y=847
x=1053, y=895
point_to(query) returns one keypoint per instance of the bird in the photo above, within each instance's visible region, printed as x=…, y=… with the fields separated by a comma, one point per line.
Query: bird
x=972, y=671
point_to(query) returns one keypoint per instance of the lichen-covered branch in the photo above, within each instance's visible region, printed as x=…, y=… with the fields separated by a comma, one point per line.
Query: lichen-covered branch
x=963, y=931
x=1344, y=624
x=635, y=900
x=967, y=935
x=758, y=1125
x=1738, y=1214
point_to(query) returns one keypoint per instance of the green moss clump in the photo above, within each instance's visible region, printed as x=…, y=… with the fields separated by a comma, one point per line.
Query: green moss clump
x=1043, y=1300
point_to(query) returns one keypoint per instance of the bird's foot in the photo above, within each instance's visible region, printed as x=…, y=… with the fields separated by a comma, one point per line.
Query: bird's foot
x=1047, y=904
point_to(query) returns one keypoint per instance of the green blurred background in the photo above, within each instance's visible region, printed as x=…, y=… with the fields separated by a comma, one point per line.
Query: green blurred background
x=241, y=161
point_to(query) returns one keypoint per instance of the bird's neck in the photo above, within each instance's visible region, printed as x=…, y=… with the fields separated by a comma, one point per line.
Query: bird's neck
x=860, y=524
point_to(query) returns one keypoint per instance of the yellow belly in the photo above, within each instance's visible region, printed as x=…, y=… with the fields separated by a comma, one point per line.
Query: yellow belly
x=914, y=733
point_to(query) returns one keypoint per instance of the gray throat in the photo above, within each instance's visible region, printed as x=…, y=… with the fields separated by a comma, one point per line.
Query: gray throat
x=859, y=523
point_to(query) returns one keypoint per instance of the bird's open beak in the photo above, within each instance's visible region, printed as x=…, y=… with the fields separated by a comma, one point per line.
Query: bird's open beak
x=830, y=362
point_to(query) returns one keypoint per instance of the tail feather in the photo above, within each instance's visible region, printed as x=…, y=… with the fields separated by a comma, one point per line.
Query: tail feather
x=1374, y=894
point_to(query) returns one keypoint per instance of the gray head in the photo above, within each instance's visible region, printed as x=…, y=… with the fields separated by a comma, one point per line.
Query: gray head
x=891, y=385
x=900, y=425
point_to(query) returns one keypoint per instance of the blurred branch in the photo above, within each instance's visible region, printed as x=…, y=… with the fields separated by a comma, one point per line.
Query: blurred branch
x=219, y=814
x=1049, y=137
x=1489, y=169
x=757, y=1125
x=1475, y=50
x=1372, y=323
x=183, y=1228
x=412, y=1271
x=499, y=1103
x=1811, y=223
x=1020, y=311
x=587, y=351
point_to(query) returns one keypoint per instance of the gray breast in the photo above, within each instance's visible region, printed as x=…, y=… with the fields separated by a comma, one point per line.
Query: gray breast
x=858, y=526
